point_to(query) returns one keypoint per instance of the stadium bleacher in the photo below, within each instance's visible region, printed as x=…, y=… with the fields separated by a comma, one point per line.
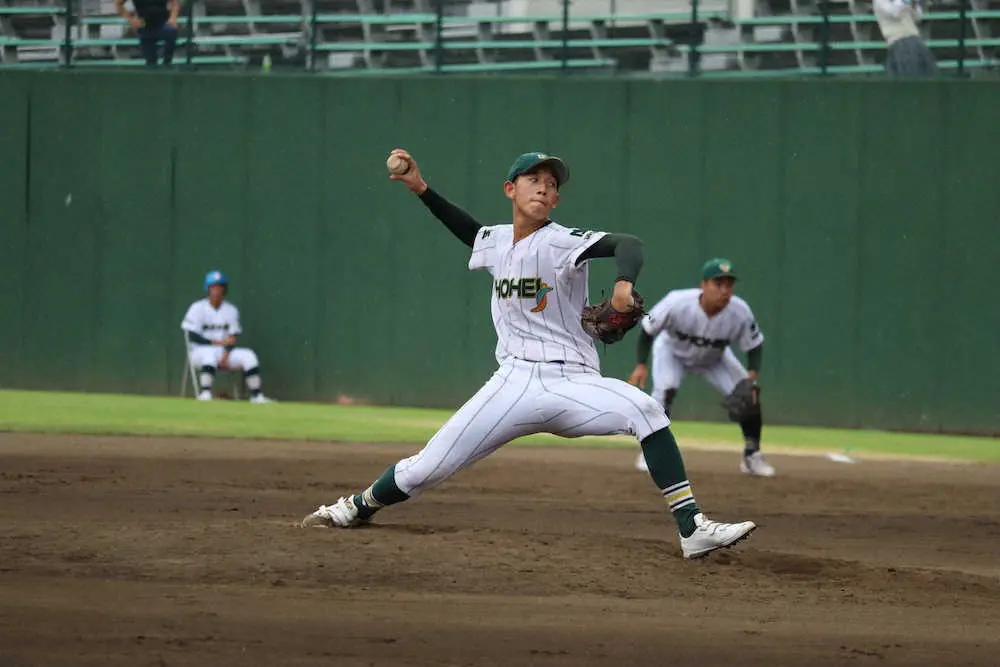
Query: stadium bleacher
x=728, y=38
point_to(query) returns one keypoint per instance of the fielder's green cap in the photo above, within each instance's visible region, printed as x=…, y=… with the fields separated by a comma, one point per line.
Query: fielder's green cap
x=530, y=161
x=717, y=267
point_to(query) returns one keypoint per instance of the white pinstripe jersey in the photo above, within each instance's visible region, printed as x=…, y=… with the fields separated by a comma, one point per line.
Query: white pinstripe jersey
x=694, y=337
x=538, y=292
x=201, y=318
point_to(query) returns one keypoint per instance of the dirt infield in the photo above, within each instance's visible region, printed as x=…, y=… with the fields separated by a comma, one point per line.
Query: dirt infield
x=126, y=551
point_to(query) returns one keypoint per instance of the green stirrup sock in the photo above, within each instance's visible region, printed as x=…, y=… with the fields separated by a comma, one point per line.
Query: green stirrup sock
x=666, y=467
x=381, y=493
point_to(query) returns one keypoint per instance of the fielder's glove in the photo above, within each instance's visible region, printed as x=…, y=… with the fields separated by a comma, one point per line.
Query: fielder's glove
x=602, y=322
x=744, y=402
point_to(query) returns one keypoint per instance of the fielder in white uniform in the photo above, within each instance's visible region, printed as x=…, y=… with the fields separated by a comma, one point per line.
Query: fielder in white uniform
x=692, y=331
x=548, y=380
x=212, y=325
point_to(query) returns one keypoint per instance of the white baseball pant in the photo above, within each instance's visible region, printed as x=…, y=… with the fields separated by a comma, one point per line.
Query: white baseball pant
x=240, y=358
x=669, y=371
x=522, y=398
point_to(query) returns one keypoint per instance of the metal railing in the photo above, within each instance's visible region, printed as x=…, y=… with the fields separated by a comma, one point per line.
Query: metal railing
x=559, y=42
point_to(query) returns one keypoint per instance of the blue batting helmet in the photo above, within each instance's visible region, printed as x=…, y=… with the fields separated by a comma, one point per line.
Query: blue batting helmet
x=215, y=277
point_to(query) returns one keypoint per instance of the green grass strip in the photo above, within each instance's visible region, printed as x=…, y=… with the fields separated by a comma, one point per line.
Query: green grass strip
x=113, y=414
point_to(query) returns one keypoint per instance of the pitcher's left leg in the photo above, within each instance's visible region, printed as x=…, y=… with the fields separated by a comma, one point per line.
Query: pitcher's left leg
x=589, y=404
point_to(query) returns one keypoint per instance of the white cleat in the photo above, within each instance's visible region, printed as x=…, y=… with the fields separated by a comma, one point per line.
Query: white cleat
x=342, y=514
x=261, y=398
x=205, y=396
x=711, y=535
x=640, y=463
x=756, y=465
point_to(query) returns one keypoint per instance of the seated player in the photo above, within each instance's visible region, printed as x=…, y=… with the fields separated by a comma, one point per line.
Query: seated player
x=212, y=325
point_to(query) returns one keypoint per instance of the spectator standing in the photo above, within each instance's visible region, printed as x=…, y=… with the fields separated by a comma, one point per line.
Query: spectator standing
x=155, y=22
x=908, y=55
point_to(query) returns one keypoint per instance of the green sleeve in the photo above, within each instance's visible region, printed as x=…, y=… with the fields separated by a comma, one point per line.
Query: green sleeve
x=460, y=223
x=197, y=339
x=625, y=248
x=645, y=345
x=755, y=357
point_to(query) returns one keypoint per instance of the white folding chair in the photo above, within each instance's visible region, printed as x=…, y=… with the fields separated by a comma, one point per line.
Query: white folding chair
x=190, y=374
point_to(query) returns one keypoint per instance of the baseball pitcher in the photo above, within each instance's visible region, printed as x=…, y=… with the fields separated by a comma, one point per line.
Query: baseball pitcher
x=548, y=378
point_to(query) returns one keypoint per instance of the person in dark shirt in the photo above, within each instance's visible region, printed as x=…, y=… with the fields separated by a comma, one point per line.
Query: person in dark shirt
x=154, y=21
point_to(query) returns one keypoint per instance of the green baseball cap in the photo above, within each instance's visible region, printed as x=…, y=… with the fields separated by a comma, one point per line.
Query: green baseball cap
x=529, y=161
x=717, y=267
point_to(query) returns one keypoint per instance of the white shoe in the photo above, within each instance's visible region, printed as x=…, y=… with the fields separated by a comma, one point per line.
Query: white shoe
x=342, y=514
x=261, y=398
x=640, y=463
x=205, y=395
x=756, y=465
x=711, y=535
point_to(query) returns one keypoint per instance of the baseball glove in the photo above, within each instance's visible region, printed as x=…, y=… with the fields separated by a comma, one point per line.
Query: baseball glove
x=744, y=401
x=602, y=322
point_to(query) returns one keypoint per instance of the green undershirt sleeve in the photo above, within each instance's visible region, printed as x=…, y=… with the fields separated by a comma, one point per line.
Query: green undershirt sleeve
x=625, y=248
x=197, y=339
x=460, y=223
x=644, y=346
x=754, y=358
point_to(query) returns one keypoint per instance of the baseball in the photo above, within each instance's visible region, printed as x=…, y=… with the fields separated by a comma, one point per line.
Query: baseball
x=397, y=165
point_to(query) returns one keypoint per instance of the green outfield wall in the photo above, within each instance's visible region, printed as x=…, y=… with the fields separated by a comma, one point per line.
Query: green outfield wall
x=863, y=218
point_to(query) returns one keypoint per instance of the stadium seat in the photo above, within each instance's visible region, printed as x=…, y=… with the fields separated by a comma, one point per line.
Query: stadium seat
x=640, y=38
